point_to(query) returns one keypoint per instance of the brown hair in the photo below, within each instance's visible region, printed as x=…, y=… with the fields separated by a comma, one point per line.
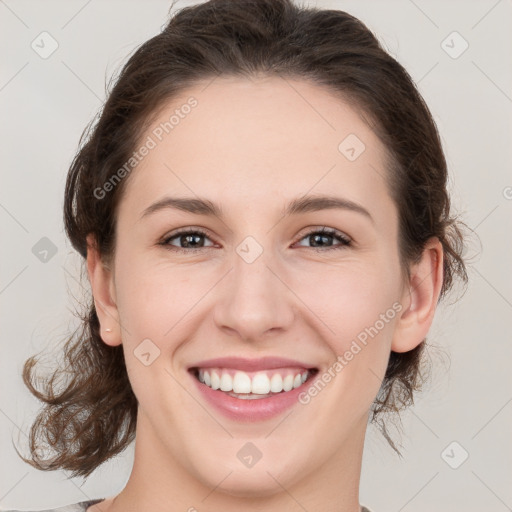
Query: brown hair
x=92, y=417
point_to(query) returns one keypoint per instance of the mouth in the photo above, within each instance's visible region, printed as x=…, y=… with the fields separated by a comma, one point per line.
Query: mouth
x=251, y=390
x=255, y=385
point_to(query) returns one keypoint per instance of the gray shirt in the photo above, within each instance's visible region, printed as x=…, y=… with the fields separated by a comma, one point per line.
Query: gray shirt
x=83, y=505
x=75, y=507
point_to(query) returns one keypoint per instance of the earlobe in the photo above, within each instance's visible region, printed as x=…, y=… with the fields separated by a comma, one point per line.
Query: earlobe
x=101, y=279
x=420, y=297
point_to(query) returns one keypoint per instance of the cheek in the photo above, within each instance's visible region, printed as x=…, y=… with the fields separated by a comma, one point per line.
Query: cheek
x=155, y=302
x=153, y=296
x=351, y=299
x=355, y=309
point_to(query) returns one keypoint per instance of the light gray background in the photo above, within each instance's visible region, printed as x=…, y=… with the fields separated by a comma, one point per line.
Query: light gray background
x=46, y=103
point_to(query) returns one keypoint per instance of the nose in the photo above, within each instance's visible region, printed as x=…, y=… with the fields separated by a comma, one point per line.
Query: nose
x=254, y=300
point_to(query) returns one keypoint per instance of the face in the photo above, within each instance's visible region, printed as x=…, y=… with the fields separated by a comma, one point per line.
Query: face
x=257, y=281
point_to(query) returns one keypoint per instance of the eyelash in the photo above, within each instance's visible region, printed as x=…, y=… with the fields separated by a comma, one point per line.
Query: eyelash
x=345, y=241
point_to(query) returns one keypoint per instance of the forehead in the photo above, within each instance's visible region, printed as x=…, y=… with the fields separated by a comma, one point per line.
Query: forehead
x=258, y=140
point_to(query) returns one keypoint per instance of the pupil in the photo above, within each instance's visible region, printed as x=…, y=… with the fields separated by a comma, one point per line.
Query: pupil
x=316, y=237
x=188, y=237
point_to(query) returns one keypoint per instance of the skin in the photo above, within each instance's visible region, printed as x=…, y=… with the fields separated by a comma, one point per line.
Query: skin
x=251, y=146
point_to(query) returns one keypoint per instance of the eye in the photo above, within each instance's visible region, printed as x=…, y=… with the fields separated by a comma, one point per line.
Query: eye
x=189, y=237
x=190, y=240
x=325, y=235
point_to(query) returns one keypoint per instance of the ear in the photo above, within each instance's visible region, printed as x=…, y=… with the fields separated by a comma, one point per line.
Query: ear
x=420, y=298
x=103, y=289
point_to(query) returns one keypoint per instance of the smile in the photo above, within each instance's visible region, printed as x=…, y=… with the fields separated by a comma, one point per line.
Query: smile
x=251, y=390
x=252, y=385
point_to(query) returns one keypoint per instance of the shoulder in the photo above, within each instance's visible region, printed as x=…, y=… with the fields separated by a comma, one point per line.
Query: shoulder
x=365, y=509
x=75, y=507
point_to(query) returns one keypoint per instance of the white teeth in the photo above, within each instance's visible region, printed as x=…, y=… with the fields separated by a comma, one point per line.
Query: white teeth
x=215, y=380
x=276, y=383
x=288, y=383
x=241, y=383
x=226, y=382
x=260, y=384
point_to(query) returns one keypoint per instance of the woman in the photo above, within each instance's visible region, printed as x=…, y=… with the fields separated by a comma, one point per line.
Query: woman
x=263, y=213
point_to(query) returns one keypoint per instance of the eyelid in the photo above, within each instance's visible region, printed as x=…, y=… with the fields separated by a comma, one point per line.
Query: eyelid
x=184, y=231
x=343, y=238
x=326, y=230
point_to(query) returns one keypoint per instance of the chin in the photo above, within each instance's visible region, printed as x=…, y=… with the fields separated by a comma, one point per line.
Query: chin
x=265, y=478
x=250, y=485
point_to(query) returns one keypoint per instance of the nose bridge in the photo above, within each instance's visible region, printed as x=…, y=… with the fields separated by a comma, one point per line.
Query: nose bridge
x=254, y=300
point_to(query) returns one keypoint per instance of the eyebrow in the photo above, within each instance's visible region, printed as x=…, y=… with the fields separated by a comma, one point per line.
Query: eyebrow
x=297, y=206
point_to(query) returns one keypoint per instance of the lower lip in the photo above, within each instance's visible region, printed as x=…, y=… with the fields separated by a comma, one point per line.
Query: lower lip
x=258, y=409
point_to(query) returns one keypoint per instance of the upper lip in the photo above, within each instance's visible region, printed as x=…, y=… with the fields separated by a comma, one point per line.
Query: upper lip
x=251, y=365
